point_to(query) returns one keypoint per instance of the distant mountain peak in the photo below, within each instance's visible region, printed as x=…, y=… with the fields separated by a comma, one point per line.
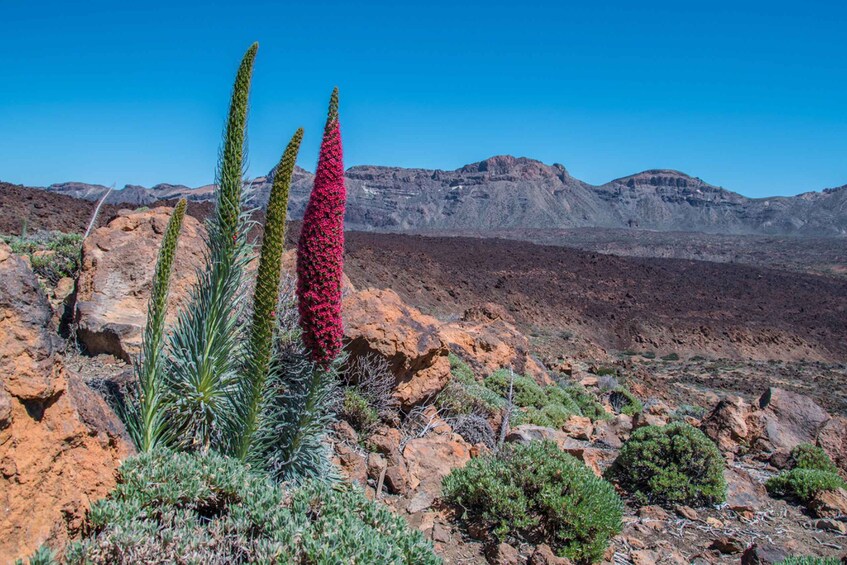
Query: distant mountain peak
x=518, y=167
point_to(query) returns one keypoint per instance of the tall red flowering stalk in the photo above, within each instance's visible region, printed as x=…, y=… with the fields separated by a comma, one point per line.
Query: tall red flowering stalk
x=320, y=251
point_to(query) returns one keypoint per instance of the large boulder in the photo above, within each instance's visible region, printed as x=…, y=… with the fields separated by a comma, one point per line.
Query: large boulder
x=59, y=443
x=27, y=362
x=118, y=263
x=790, y=419
x=487, y=337
x=378, y=321
x=832, y=438
x=733, y=424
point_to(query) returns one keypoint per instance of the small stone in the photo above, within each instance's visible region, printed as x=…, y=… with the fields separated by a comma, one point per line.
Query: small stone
x=644, y=557
x=829, y=503
x=727, y=545
x=503, y=554
x=421, y=501
x=687, y=512
x=345, y=432
x=376, y=464
x=714, y=522
x=832, y=525
x=543, y=555
x=440, y=533
x=652, y=513
x=396, y=479
x=578, y=427
x=763, y=554
x=635, y=543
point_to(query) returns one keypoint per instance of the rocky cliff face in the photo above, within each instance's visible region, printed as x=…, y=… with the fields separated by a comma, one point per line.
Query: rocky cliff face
x=506, y=192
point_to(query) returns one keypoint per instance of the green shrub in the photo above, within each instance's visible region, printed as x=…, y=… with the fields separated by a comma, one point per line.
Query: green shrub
x=803, y=484
x=537, y=493
x=173, y=507
x=42, y=556
x=356, y=410
x=811, y=471
x=688, y=410
x=808, y=456
x=623, y=401
x=463, y=395
x=808, y=560
x=587, y=403
x=525, y=391
x=606, y=371
x=670, y=357
x=548, y=406
x=551, y=416
x=53, y=255
x=668, y=465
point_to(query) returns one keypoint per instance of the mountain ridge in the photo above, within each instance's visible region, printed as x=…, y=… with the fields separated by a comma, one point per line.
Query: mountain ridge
x=504, y=192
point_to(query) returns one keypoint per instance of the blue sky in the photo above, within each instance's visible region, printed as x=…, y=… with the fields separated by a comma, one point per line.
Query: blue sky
x=751, y=96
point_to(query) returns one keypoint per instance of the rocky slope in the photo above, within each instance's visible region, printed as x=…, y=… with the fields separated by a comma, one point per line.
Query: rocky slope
x=505, y=192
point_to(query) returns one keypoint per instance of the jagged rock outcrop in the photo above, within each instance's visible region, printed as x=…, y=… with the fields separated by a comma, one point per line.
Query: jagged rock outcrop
x=378, y=321
x=118, y=262
x=776, y=423
x=59, y=443
x=487, y=337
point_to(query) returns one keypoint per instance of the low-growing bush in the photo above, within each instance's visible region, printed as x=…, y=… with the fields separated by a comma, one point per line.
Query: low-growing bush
x=537, y=493
x=357, y=412
x=624, y=402
x=670, y=357
x=474, y=429
x=808, y=560
x=53, y=255
x=549, y=406
x=371, y=376
x=188, y=508
x=810, y=472
x=551, y=416
x=803, y=484
x=688, y=411
x=808, y=456
x=463, y=395
x=42, y=556
x=669, y=465
x=586, y=401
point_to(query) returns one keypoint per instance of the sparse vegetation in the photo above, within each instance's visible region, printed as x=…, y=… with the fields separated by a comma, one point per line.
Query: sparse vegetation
x=808, y=560
x=811, y=472
x=808, y=456
x=668, y=465
x=549, y=406
x=463, y=395
x=688, y=411
x=624, y=402
x=537, y=493
x=206, y=508
x=53, y=255
x=357, y=411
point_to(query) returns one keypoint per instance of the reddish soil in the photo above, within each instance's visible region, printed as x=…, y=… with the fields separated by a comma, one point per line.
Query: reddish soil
x=661, y=305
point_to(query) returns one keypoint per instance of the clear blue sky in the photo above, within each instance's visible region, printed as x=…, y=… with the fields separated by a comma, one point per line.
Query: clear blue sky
x=751, y=96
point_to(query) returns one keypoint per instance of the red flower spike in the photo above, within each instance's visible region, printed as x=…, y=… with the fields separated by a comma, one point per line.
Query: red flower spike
x=320, y=251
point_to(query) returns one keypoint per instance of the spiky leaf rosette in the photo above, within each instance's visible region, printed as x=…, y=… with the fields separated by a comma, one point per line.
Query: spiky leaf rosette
x=321, y=248
x=290, y=443
x=145, y=415
x=266, y=294
x=206, y=350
